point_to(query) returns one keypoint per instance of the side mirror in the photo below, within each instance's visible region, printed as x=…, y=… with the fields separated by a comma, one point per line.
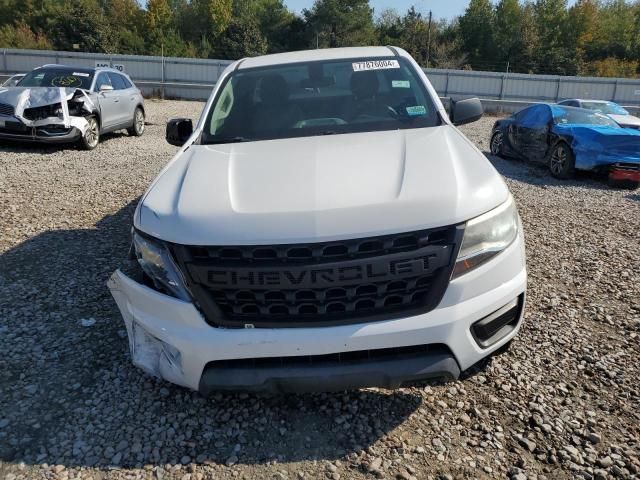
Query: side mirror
x=178, y=131
x=106, y=88
x=466, y=111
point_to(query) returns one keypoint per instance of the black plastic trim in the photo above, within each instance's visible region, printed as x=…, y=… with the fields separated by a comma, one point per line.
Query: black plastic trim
x=394, y=50
x=214, y=316
x=499, y=324
x=388, y=368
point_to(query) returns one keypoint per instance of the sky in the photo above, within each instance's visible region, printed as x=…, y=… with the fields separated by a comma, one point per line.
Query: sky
x=440, y=8
x=446, y=9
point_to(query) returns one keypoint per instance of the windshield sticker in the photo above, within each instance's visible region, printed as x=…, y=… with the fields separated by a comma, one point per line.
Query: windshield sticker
x=68, y=81
x=375, y=65
x=416, y=111
x=80, y=74
x=400, y=84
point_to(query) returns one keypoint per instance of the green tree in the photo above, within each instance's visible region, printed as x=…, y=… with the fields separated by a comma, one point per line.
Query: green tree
x=340, y=23
x=508, y=38
x=214, y=16
x=281, y=29
x=82, y=23
x=554, y=54
x=242, y=39
x=158, y=15
x=415, y=35
x=127, y=24
x=476, y=32
x=389, y=28
x=21, y=36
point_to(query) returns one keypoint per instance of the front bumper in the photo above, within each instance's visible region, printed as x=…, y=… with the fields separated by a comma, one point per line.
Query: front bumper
x=625, y=173
x=42, y=134
x=170, y=339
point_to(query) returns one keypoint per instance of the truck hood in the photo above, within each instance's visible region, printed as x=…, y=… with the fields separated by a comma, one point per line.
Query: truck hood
x=320, y=188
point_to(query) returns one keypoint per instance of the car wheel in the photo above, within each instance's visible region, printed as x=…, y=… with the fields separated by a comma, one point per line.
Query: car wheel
x=496, y=144
x=137, y=129
x=91, y=136
x=562, y=163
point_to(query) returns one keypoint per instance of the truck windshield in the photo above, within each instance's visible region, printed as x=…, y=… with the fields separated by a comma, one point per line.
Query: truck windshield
x=57, y=77
x=319, y=98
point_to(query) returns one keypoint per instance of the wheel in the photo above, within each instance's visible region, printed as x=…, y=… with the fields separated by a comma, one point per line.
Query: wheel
x=91, y=136
x=137, y=129
x=562, y=163
x=497, y=140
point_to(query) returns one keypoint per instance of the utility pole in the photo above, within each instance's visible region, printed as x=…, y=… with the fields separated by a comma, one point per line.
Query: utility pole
x=429, y=40
x=162, y=70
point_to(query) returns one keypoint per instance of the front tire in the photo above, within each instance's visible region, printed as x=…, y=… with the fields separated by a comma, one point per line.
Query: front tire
x=562, y=163
x=91, y=136
x=497, y=141
x=137, y=128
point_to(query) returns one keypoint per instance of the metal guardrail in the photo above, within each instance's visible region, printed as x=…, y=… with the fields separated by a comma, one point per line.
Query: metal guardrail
x=193, y=79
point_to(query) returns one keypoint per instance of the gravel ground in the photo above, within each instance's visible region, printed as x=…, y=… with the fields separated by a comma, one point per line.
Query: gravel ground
x=563, y=402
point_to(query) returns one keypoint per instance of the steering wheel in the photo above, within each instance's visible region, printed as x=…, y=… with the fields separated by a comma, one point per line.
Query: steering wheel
x=392, y=112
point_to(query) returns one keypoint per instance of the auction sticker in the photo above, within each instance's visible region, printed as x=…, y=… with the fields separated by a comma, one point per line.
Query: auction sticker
x=416, y=111
x=375, y=65
x=400, y=84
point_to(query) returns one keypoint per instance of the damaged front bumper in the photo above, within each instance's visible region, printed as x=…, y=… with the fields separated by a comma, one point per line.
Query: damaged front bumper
x=621, y=172
x=43, y=114
x=170, y=339
x=12, y=129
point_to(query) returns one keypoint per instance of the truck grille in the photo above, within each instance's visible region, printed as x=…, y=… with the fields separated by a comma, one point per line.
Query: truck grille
x=6, y=109
x=319, y=284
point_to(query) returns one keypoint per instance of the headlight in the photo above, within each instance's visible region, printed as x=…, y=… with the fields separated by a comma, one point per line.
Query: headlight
x=155, y=260
x=486, y=236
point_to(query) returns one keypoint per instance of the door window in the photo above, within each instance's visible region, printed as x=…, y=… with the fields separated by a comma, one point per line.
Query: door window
x=103, y=79
x=536, y=117
x=127, y=83
x=116, y=81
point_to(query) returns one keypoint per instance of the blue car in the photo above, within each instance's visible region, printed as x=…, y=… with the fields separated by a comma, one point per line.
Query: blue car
x=568, y=139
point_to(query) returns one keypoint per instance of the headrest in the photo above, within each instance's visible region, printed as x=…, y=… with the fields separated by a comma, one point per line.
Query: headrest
x=364, y=84
x=273, y=90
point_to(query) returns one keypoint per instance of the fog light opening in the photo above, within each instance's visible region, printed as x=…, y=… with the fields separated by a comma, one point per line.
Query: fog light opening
x=496, y=326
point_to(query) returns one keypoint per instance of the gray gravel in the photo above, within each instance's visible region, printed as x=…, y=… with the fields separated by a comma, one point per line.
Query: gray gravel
x=563, y=402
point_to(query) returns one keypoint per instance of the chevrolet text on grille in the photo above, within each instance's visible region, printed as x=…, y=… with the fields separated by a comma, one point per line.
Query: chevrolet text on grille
x=322, y=276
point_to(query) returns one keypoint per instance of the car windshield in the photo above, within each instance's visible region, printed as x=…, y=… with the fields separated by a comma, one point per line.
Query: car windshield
x=605, y=107
x=57, y=77
x=319, y=98
x=569, y=115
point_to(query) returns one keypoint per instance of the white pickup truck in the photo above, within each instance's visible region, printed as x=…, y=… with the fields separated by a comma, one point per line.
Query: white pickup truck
x=324, y=226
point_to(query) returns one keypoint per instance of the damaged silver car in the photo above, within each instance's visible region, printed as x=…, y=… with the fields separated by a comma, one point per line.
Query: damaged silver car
x=62, y=104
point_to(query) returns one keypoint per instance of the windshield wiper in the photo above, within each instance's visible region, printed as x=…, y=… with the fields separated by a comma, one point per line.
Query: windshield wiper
x=228, y=140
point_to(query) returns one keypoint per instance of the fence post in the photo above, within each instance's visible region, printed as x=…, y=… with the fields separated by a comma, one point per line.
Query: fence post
x=162, y=74
x=4, y=60
x=502, y=82
x=615, y=90
x=558, y=89
x=446, y=85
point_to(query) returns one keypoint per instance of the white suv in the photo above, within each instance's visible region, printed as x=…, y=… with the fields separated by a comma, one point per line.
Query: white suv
x=325, y=226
